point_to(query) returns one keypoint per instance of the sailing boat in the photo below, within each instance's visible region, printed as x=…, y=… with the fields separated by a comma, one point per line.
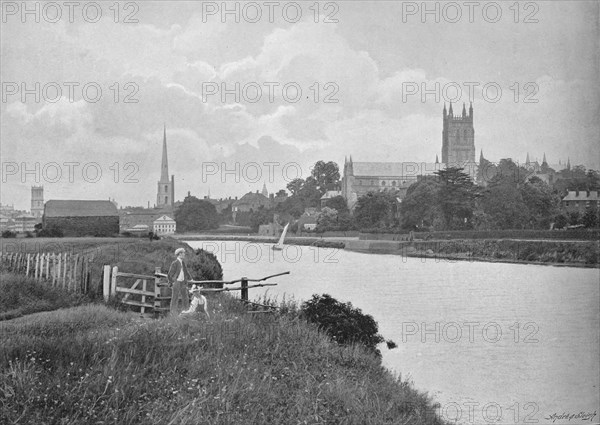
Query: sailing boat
x=279, y=245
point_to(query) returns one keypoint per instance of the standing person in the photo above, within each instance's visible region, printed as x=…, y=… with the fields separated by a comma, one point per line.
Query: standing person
x=178, y=277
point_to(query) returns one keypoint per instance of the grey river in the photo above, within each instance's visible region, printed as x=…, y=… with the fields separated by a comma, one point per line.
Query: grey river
x=491, y=342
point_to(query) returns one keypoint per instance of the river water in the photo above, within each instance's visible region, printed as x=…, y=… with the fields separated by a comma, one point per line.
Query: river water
x=491, y=342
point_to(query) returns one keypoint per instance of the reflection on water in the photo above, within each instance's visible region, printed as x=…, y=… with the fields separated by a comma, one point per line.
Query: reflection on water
x=492, y=342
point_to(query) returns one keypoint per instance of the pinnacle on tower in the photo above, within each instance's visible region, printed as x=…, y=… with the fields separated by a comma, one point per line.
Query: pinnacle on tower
x=568, y=163
x=444, y=112
x=437, y=161
x=450, y=110
x=481, y=156
x=264, y=190
x=544, y=160
x=164, y=169
x=527, y=159
x=471, y=109
x=464, y=111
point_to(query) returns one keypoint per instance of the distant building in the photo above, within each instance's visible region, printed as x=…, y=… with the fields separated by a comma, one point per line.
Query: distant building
x=328, y=195
x=5, y=223
x=37, y=201
x=135, y=219
x=580, y=200
x=165, y=196
x=458, y=150
x=164, y=225
x=82, y=217
x=251, y=202
x=24, y=223
x=308, y=220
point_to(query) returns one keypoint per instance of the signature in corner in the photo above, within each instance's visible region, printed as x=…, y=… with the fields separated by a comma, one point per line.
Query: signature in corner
x=583, y=416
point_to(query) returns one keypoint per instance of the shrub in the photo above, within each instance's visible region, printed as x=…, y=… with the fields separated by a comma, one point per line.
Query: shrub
x=8, y=234
x=51, y=232
x=344, y=323
x=205, y=266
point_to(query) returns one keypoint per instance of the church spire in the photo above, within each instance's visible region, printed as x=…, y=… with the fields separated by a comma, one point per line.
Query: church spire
x=527, y=159
x=471, y=110
x=464, y=111
x=568, y=163
x=544, y=160
x=445, y=112
x=264, y=190
x=450, y=110
x=437, y=161
x=164, y=168
x=480, y=156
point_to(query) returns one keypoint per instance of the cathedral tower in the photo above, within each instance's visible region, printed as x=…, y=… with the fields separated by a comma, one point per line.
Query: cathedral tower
x=458, y=137
x=166, y=189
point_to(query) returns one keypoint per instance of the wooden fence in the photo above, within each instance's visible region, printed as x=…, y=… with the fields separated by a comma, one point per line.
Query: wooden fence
x=68, y=271
x=151, y=293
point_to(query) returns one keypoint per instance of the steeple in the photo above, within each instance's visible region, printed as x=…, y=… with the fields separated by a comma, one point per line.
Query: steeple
x=437, y=161
x=264, y=190
x=450, y=110
x=527, y=159
x=480, y=156
x=544, y=160
x=471, y=110
x=568, y=163
x=464, y=111
x=444, y=112
x=164, y=168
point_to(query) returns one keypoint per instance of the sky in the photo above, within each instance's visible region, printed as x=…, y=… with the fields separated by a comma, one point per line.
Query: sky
x=254, y=93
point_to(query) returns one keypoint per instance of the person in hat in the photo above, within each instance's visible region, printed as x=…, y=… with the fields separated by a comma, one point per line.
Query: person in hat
x=198, y=301
x=178, y=277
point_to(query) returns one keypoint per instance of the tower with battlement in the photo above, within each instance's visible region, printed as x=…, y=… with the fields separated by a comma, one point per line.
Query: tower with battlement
x=165, y=197
x=458, y=137
x=37, y=201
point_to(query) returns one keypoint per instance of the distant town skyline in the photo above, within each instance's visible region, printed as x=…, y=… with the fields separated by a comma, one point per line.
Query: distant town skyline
x=373, y=86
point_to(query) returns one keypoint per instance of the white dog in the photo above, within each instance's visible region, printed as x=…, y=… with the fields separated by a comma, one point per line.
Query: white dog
x=197, y=300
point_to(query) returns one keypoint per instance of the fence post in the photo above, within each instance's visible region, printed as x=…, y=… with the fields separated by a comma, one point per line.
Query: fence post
x=244, y=291
x=106, y=282
x=144, y=287
x=27, y=269
x=113, y=284
x=53, y=269
x=157, y=294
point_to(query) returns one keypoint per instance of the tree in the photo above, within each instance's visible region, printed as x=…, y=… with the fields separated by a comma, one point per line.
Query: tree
x=574, y=218
x=310, y=194
x=375, y=210
x=261, y=216
x=295, y=186
x=541, y=203
x=327, y=176
x=503, y=205
x=591, y=218
x=560, y=221
x=338, y=203
x=327, y=219
x=419, y=206
x=196, y=215
x=456, y=197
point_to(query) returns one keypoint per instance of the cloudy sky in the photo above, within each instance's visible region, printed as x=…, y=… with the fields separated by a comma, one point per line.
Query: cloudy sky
x=373, y=78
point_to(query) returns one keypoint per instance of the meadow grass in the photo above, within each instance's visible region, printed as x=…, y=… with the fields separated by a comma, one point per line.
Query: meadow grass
x=20, y=295
x=92, y=364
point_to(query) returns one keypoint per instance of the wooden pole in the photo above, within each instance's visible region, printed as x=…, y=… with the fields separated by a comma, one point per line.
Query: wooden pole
x=106, y=283
x=113, y=284
x=244, y=293
x=144, y=287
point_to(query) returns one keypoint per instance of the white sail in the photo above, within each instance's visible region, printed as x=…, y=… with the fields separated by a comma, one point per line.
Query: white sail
x=279, y=245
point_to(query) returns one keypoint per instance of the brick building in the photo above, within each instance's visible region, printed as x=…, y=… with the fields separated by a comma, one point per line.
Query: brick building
x=580, y=200
x=82, y=218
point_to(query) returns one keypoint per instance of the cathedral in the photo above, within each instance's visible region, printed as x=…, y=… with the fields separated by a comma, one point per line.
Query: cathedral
x=458, y=149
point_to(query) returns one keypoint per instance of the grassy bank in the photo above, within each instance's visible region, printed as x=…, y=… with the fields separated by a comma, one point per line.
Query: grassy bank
x=544, y=252
x=20, y=295
x=91, y=364
x=302, y=241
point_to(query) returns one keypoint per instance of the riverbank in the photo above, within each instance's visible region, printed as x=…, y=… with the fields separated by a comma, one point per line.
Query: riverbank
x=541, y=252
x=552, y=253
x=95, y=364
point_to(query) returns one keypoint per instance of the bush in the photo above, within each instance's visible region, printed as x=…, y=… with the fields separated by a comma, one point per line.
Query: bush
x=344, y=323
x=205, y=266
x=8, y=234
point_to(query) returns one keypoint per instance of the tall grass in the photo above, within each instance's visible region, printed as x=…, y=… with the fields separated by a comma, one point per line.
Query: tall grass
x=92, y=364
x=20, y=295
